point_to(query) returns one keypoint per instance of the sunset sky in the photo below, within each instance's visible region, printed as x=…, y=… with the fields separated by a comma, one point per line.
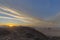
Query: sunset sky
x=42, y=9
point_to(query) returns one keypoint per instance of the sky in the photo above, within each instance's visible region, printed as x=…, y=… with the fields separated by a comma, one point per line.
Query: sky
x=45, y=9
x=37, y=8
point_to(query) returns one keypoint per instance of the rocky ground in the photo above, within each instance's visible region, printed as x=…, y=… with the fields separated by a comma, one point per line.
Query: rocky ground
x=23, y=33
x=54, y=38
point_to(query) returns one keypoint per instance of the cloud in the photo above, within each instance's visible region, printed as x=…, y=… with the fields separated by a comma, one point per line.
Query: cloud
x=55, y=19
x=17, y=16
x=21, y=18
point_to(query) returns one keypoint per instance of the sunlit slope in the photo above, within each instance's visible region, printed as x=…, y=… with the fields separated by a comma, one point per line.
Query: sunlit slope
x=11, y=16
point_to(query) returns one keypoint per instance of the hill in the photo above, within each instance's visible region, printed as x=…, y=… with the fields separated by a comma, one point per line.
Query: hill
x=21, y=33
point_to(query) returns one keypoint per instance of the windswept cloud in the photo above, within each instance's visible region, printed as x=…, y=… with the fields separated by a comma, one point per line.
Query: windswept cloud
x=16, y=16
x=21, y=18
x=55, y=19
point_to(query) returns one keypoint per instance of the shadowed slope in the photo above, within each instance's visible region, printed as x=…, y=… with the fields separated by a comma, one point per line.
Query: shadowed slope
x=22, y=33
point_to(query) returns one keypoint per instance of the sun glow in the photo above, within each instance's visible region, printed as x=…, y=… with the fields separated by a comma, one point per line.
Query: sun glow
x=11, y=24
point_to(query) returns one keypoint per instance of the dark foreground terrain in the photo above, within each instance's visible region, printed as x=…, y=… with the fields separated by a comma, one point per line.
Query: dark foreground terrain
x=23, y=33
x=54, y=38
